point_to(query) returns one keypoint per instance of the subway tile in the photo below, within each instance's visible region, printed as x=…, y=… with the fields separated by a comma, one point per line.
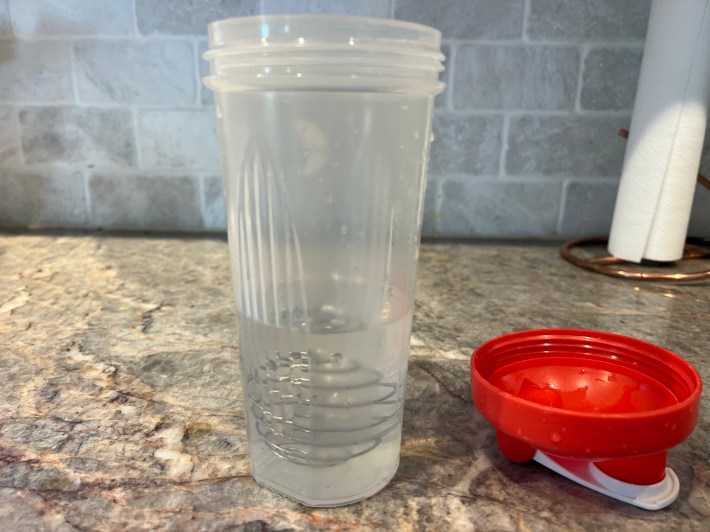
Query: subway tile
x=515, y=77
x=705, y=158
x=573, y=146
x=153, y=202
x=432, y=213
x=700, y=213
x=588, y=208
x=362, y=8
x=5, y=27
x=77, y=135
x=206, y=94
x=488, y=207
x=53, y=199
x=465, y=144
x=188, y=17
x=32, y=18
x=610, y=78
x=466, y=19
x=148, y=73
x=35, y=72
x=179, y=139
x=9, y=137
x=214, y=213
x=588, y=19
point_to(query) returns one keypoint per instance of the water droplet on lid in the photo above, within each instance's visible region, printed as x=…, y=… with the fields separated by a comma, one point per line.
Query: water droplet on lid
x=329, y=198
x=351, y=41
x=301, y=41
x=555, y=437
x=343, y=230
x=336, y=358
x=271, y=366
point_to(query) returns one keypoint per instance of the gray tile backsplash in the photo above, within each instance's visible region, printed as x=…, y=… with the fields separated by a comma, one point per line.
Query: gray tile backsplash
x=178, y=139
x=83, y=135
x=466, y=19
x=38, y=199
x=495, y=207
x=130, y=201
x=140, y=72
x=579, y=20
x=9, y=140
x=214, y=216
x=35, y=71
x=466, y=144
x=5, y=28
x=609, y=79
x=588, y=207
x=188, y=17
x=104, y=121
x=515, y=77
x=362, y=8
x=561, y=146
x=39, y=18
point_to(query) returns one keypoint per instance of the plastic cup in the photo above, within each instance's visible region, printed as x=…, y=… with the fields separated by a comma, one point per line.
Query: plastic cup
x=325, y=126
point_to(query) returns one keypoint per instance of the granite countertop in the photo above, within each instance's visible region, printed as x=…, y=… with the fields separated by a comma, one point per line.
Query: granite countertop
x=120, y=403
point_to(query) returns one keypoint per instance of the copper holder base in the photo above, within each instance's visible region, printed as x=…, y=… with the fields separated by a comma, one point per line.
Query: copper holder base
x=616, y=267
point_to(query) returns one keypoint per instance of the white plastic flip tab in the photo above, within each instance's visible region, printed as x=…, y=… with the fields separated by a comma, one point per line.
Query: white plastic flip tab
x=651, y=497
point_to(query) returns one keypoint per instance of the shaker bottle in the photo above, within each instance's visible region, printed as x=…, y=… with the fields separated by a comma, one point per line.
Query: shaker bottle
x=325, y=126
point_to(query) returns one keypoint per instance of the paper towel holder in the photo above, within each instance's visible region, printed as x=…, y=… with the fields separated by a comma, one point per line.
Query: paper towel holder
x=608, y=265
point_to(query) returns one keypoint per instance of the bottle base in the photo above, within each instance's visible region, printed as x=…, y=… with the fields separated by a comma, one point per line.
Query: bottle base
x=328, y=503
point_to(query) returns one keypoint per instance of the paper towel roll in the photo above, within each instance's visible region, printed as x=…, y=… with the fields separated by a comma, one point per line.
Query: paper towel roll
x=666, y=134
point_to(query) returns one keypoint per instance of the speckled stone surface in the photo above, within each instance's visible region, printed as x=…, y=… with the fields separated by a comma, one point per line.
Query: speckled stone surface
x=120, y=403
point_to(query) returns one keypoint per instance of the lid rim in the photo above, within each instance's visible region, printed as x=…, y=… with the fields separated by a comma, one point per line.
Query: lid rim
x=385, y=22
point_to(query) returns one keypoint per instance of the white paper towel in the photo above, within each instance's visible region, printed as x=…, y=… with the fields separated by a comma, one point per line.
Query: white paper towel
x=666, y=134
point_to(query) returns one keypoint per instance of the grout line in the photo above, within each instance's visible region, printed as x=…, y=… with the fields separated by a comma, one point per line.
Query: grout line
x=135, y=18
x=392, y=8
x=87, y=199
x=74, y=78
x=540, y=43
x=137, y=139
x=203, y=204
x=18, y=135
x=535, y=112
x=108, y=38
x=526, y=16
x=583, y=52
x=196, y=81
x=503, y=145
x=103, y=105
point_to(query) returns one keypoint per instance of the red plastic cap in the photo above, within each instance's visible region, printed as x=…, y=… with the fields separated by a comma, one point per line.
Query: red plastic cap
x=585, y=394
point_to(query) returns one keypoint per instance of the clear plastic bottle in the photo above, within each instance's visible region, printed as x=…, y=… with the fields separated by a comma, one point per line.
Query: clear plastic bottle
x=325, y=125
